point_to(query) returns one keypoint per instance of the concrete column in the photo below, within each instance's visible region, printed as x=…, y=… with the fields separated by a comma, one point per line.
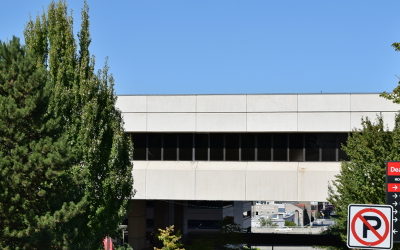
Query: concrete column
x=171, y=214
x=185, y=218
x=137, y=224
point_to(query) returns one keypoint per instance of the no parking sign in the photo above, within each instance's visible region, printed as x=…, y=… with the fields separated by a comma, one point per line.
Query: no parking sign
x=370, y=226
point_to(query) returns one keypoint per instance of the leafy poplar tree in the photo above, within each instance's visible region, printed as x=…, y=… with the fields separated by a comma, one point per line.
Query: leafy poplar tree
x=64, y=157
x=362, y=178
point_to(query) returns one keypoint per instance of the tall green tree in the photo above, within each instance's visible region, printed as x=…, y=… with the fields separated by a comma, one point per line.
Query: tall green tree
x=31, y=152
x=80, y=177
x=362, y=178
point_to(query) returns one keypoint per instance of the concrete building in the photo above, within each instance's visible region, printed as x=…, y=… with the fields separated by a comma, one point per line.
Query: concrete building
x=210, y=149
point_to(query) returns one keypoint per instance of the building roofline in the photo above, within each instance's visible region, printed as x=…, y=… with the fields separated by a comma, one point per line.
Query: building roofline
x=325, y=93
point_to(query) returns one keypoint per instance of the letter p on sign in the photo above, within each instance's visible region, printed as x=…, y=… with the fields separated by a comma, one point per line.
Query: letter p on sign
x=370, y=226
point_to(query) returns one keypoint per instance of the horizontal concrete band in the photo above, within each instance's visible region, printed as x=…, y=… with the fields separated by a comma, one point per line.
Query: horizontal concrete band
x=253, y=113
x=251, y=122
x=242, y=181
x=255, y=103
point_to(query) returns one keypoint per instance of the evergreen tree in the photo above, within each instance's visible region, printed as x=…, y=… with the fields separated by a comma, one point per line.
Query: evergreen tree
x=80, y=176
x=31, y=153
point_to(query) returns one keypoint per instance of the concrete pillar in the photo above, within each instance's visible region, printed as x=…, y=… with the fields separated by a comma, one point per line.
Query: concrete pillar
x=171, y=214
x=137, y=224
x=185, y=218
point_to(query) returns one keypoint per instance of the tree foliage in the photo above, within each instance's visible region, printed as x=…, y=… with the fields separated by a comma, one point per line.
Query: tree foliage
x=65, y=171
x=362, y=178
x=169, y=239
x=289, y=223
x=266, y=222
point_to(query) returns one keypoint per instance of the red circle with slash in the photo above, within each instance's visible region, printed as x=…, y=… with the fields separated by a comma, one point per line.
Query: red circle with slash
x=380, y=237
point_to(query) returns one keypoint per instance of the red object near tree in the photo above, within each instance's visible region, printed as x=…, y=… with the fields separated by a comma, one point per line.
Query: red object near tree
x=107, y=243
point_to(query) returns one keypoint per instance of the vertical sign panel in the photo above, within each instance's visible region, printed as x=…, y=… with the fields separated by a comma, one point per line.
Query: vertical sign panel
x=393, y=195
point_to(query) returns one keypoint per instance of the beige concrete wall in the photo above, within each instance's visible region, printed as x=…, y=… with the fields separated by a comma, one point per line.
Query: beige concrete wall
x=244, y=113
x=242, y=181
x=253, y=113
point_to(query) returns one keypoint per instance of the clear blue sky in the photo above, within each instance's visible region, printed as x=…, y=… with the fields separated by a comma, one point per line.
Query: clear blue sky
x=226, y=46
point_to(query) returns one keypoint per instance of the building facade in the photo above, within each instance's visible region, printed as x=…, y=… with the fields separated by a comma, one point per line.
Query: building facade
x=195, y=155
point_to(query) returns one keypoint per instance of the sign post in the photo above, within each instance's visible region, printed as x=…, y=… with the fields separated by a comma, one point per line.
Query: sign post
x=369, y=226
x=393, y=195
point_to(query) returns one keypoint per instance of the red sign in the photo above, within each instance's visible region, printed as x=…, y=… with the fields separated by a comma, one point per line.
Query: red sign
x=393, y=187
x=393, y=168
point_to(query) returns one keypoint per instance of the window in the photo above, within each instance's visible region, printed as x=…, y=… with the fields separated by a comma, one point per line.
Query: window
x=216, y=147
x=280, y=147
x=312, y=147
x=328, y=147
x=264, y=146
x=341, y=140
x=185, y=147
x=139, y=146
x=296, y=147
x=248, y=147
x=239, y=146
x=201, y=147
x=232, y=147
x=154, y=152
x=170, y=147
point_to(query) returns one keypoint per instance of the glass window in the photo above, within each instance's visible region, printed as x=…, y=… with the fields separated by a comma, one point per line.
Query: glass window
x=201, y=147
x=264, y=147
x=342, y=140
x=139, y=146
x=248, y=147
x=170, y=147
x=239, y=146
x=328, y=146
x=185, y=147
x=216, y=147
x=280, y=147
x=154, y=141
x=312, y=147
x=296, y=147
x=232, y=147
